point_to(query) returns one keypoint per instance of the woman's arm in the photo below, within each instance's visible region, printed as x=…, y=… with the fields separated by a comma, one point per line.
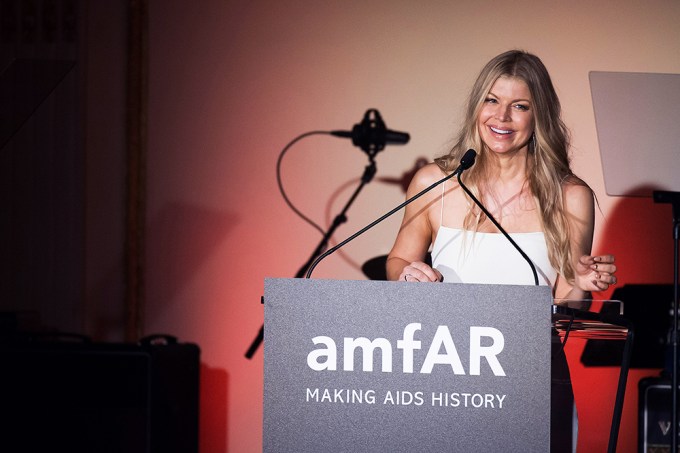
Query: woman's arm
x=591, y=273
x=405, y=260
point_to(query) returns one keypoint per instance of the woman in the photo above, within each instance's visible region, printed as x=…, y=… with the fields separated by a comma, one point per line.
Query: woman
x=523, y=178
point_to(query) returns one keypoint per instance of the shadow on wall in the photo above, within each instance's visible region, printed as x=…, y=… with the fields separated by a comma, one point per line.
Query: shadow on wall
x=180, y=239
x=213, y=396
x=639, y=233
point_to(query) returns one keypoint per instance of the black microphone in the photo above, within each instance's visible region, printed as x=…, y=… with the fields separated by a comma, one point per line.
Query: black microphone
x=466, y=162
x=500, y=228
x=371, y=135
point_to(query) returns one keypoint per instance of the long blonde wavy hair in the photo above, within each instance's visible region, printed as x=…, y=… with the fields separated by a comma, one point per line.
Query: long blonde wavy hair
x=548, y=167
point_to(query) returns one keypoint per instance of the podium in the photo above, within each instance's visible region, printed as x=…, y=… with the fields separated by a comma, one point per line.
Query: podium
x=368, y=366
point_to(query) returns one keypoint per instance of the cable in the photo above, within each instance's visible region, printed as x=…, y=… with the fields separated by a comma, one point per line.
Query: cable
x=280, y=183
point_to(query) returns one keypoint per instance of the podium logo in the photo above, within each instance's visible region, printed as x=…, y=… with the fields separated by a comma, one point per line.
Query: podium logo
x=485, y=343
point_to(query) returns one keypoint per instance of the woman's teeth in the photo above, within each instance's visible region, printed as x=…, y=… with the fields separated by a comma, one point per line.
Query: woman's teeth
x=500, y=131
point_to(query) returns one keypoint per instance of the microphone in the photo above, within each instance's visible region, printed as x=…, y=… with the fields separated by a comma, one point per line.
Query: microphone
x=500, y=228
x=466, y=162
x=371, y=135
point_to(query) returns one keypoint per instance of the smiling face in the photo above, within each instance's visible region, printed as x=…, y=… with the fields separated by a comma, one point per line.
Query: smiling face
x=506, y=119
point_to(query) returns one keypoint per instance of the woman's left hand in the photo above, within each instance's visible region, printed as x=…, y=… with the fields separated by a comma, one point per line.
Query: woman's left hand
x=595, y=273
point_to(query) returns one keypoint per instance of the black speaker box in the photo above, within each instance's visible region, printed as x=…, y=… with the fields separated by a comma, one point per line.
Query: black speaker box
x=654, y=416
x=103, y=398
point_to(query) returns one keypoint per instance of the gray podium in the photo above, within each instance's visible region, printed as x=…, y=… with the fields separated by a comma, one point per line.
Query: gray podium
x=368, y=366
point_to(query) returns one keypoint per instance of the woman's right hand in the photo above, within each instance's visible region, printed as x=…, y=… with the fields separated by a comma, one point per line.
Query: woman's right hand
x=418, y=271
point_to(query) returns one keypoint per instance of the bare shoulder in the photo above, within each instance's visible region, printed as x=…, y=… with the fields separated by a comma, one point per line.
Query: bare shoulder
x=578, y=196
x=576, y=188
x=426, y=176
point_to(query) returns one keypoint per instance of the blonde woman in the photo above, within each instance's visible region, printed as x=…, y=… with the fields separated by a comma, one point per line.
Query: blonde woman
x=523, y=177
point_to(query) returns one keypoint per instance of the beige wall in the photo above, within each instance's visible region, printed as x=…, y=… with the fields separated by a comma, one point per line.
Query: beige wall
x=232, y=82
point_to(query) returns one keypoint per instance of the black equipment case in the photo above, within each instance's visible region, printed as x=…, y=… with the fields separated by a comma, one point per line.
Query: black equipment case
x=654, y=416
x=79, y=396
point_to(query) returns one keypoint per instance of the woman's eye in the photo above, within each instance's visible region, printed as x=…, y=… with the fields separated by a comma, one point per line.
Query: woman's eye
x=522, y=107
x=490, y=100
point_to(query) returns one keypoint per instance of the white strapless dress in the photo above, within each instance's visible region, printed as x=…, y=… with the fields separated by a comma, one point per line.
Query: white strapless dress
x=469, y=257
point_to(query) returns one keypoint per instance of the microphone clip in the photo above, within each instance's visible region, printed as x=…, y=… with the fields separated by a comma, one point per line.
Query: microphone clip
x=371, y=134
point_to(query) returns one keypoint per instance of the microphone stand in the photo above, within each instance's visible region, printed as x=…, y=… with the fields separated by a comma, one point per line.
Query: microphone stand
x=370, y=136
x=341, y=218
x=674, y=199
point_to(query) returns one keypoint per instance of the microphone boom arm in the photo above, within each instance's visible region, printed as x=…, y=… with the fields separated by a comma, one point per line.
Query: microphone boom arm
x=500, y=228
x=458, y=171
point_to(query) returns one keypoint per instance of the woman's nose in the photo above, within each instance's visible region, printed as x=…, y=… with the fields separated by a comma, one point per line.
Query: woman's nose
x=502, y=113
